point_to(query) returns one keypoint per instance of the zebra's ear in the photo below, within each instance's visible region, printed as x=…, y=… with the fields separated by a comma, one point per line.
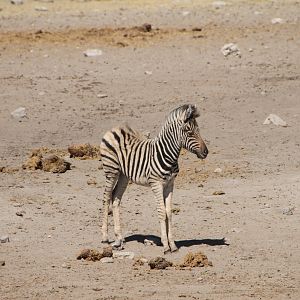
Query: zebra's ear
x=191, y=113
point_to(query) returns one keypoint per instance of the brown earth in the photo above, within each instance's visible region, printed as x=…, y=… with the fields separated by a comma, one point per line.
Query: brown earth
x=240, y=206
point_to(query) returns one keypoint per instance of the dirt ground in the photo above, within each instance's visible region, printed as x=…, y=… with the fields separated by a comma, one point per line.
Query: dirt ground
x=250, y=233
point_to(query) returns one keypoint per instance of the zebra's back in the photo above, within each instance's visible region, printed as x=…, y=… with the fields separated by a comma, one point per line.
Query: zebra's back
x=128, y=151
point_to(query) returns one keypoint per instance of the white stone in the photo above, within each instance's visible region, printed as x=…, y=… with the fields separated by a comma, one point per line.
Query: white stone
x=274, y=119
x=218, y=170
x=218, y=4
x=277, y=21
x=107, y=260
x=122, y=255
x=4, y=239
x=231, y=48
x=19, y=113
x=92, y=52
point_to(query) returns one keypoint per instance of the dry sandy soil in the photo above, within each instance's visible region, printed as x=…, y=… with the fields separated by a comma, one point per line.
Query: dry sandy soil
x=251, y=233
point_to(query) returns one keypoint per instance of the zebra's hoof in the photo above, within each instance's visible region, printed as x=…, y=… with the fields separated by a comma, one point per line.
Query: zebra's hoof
x=174, y=249
x=167, y=251
x=117, y=245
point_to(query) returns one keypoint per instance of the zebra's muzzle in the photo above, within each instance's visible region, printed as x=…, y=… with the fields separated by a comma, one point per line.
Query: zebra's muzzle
x=202, y=153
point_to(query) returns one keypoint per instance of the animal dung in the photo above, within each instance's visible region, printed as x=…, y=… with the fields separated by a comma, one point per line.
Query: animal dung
x=95, y=255
x=159, y=263
x=84, y=151
x=193, y=260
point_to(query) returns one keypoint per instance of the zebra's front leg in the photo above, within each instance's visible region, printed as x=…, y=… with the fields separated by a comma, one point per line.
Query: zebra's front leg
x=116, y=200
x=157, y=188
x=107, y=199
x=168, y=194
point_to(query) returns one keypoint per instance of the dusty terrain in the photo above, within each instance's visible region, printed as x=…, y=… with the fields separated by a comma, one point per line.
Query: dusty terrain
x=250, y=233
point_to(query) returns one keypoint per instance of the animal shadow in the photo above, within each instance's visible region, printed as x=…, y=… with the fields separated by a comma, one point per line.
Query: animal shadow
x=184, y=243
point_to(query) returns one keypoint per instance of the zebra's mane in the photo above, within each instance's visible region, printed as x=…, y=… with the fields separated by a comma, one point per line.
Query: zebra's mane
x=183, y=113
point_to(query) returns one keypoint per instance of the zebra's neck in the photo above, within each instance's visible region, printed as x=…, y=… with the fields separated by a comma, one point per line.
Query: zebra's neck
x=169, y=143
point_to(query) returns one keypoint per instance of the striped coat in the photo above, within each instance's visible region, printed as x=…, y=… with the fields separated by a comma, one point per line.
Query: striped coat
x=128, y=155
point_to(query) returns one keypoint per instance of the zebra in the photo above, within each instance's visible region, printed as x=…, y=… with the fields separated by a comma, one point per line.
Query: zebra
x=127, y=156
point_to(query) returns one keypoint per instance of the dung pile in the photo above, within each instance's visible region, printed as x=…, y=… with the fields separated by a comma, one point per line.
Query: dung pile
x=85, y=151
x=95, y=255
x=159, y=263
x=193, y=260
x=51, y=163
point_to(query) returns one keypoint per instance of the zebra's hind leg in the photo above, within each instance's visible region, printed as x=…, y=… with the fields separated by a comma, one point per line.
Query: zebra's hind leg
x=107, y=199
x=168, y=194
x=116, y=200
x=157, y=188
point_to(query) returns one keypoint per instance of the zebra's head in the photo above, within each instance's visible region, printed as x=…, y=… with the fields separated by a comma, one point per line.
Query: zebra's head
x=191, y=138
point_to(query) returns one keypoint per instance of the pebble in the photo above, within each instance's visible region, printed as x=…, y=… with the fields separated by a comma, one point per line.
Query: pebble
x=19, y=113
x=218, y=170
x=185, y=13
x=274, y=119
x=107, y=260
x=92, y=52
x=4, y=239
x=122, y=255
x=288, y=211
x=2, y=262
x=42, y=8
x=277, y=21
x=218, y=4
x=216, y=193
x=148, y=72
x=148, y=242
x=66, y=266
x=16, y=2
x=102, y=95
x=231, y=49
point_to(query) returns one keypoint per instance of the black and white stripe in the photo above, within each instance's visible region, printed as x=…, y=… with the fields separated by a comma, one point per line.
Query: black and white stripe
x=128, y=155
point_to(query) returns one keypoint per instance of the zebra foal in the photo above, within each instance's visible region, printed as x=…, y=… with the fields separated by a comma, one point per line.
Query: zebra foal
x=127, y=155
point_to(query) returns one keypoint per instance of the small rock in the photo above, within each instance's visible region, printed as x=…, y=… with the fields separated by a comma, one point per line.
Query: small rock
x=218, y=4
x=277, y=21
x=16, y=2
x=4, y=239
x=274, y=119
x=148, y=242
x=102, y=95
x=216, y=193
x=92, y=52
x=66, y=266
x=288, y=211
x=148, y=72
x=107, y=260
x=218, y=170
x=231, y=49
x=122, y=255
x=20, y=213
x=2, y=263
x=91, y=181
x=186, y=13
x=42, y=8
x=19, y=113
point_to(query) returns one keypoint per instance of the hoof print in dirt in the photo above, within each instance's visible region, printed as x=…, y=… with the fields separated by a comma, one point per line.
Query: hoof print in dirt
x=159, y=263
x=95, y=255
x=198, y=259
